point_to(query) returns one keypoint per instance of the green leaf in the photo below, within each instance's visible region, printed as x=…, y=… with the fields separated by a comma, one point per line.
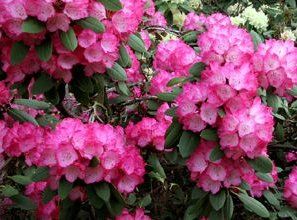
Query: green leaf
x=131, y=199
x=216, y=154
x=40, y=174
x=291, y=3
x=23, y=180
x=169, y=96
x=198, y=193
x=244, y=185
x=188, y=143
x=257, y=39
x=83, y=83
x=190, y=37
x=274, y=101
x=68, y=209
x=48, y=195
x=123, y=88
x=253, y=205
x=136, y=43
x=116, y=194
x=209, y=135
x=9, y=191
x=270, y=197
x=287, y=212
x=40, y=105
x=103, y=191
x=45, y=50
x=21, y=116
x=145, y=201
x=117, y=72
x=92, y=23
x=53, y=96
x=265, y=177
x=261, y=164
x=114, y=207
x=166, y=97
x=173, y=133
x=18, y=52
x=293, y=91
x=197, y=68
x=32, y=26
x=125, y=60
x=43, y=84
x=217, y=201
x=64, y=188
x=23, y=202
x=171, y=111
x=69, y=39
x=154, y=162
x=228, y=208
x=112, y=5
x=47, y=120
x=175, y=81
x=215, y=215
x=93, y=198
x=279, y=132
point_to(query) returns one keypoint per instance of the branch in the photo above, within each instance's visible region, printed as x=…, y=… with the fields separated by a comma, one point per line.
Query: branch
x=287, y=146
x=164, y=29
x=137, y=100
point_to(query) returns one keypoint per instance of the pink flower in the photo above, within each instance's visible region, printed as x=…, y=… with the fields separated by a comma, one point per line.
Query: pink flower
x=291, y=156
x=5, y=95
x=175, y=56
x=157, y=19
x=66, y=155
x=247, y=131
x=97, y=10
x=149, y=131
x=290, y=188
x=76, y=9
x=58, y=22
x=225, y=43
x=275, y=65
x=158, y=83
x=194, y=22
x=137, y=215
x=225, y=172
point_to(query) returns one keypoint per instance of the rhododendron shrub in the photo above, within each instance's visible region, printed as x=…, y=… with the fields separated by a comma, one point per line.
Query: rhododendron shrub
x=111, y=109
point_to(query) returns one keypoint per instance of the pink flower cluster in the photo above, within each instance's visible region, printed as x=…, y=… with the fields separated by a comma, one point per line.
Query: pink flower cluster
x=173, y=59
x=149, y=131
x=291, y=156
x=137, y=215
x=225, y=172
x=44, y=211
x=246, y=130
x=95, y=51
x=226, y=97
x=70, y=149
x=201, y=22
x=5, y=95
x=290, y=188
x=226, y=44
x=275, y=63
x=175, y=56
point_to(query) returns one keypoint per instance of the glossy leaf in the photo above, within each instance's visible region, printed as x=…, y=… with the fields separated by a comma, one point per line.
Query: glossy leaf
x=32, y=26
x=69, y=39
x=45, y=50
x=188, y=143
x=39, y=105
x=18, y=52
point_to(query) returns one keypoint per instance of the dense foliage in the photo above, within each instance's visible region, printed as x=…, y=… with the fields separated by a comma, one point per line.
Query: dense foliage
x=142, y=109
